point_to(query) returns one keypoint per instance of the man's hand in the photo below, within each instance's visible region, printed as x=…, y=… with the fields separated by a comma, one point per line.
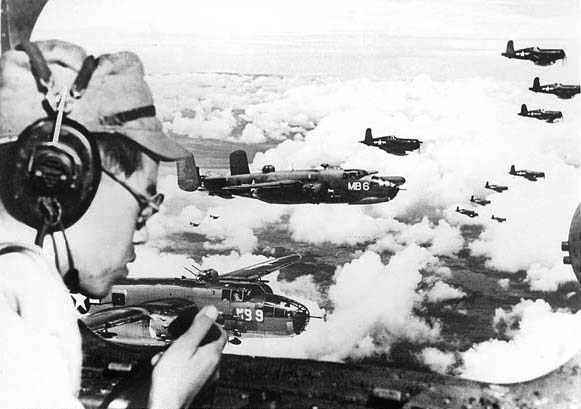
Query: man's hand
x=183, y=369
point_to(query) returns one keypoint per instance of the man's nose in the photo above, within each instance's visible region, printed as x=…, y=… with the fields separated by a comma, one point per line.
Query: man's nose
x=141, y=236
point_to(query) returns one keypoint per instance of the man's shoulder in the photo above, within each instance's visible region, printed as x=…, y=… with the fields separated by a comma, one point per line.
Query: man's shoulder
x=26, y=275
x=22, y=259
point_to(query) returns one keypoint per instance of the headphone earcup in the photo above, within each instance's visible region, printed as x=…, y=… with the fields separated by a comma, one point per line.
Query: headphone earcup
x=66, y=171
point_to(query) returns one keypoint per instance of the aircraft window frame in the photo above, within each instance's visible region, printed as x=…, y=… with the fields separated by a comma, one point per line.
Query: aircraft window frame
x=268, y=311
x=226, y=294
x=119, y=297
x=237, y=294
x=279, y=312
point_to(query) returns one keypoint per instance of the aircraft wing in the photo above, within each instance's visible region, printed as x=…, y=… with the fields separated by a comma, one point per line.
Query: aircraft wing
x=119, y=316
x=261, y=269
x=279, y=184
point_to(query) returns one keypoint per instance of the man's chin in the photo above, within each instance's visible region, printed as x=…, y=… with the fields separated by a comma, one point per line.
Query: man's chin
x=102, y=289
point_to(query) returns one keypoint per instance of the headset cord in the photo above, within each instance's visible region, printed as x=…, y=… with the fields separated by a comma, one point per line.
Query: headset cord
x=71, y=277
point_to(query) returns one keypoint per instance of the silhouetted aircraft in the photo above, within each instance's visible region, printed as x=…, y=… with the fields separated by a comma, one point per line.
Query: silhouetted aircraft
x=549, y=116
x=139, y=311
x=560, y=90
x=496, y=188
x=469, y=213
x=214, y=217
x=326, y=185
x=391, y=144
x=481, y=202
x=194, y=224
x=499, y=219
x=527, y=174
x=537, y=55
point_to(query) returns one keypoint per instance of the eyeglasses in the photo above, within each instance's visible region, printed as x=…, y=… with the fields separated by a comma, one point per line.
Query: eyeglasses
x=148, y=205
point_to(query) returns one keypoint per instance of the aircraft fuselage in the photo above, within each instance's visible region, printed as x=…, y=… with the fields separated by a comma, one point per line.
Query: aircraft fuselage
x=353, y=186
x=560, y=90
x=248, y=309
x=539, y=56
x=393, y=145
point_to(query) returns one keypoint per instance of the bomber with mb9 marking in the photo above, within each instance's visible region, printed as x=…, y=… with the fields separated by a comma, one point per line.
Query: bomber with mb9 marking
x=327, y=185
x=140, y=311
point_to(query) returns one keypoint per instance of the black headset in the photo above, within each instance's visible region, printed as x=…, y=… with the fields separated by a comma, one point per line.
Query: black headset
x=55, y=166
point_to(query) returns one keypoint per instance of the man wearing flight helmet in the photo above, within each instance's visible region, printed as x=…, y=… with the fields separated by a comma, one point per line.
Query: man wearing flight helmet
x=79, y=153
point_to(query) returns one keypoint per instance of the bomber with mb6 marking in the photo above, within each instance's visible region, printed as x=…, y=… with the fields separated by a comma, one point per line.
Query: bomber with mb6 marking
x=326, y=185
x=140, y=311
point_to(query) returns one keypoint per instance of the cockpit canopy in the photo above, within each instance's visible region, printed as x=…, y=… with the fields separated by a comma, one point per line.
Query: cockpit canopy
x=268, y=169
x=354, y=173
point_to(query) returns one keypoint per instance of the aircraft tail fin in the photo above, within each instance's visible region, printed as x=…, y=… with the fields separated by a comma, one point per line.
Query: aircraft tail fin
x=536, y=83
x=523, y=109
x=368, y=137
x=512, y=170
x=509, y=48
x=492, y=217
x=188, y=174
x=239, y=163
x=472, y=198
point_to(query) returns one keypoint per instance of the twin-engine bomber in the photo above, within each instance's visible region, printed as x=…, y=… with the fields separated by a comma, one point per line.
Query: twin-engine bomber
x=540, y=56
x=140, y=311
x=327, y=185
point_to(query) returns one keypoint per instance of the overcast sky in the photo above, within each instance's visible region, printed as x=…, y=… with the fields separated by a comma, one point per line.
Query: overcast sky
x=445, y=18
x=365, y=38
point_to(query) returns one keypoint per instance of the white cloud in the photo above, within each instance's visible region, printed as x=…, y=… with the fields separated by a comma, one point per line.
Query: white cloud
x=373, y=308
x=441, y=291
x=540, y=340
x=252, y=134
x=437, y=360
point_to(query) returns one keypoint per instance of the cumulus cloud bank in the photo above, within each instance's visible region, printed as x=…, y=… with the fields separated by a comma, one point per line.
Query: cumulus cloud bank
x=373, y=308
x=465, y=145
x=455, y=161
x=535, y=339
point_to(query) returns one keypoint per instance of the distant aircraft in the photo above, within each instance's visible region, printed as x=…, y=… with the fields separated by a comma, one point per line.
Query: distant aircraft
x=481, y=202
x=469, y=213
x=391, y=144
x=326, y=185
x=560, y=90
x=537, y=55
x=499, y=219
x=214, y=217
x=139, y=311
x=496, y=188
x=527, y=174
x=194, y=224
x=549, y=116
